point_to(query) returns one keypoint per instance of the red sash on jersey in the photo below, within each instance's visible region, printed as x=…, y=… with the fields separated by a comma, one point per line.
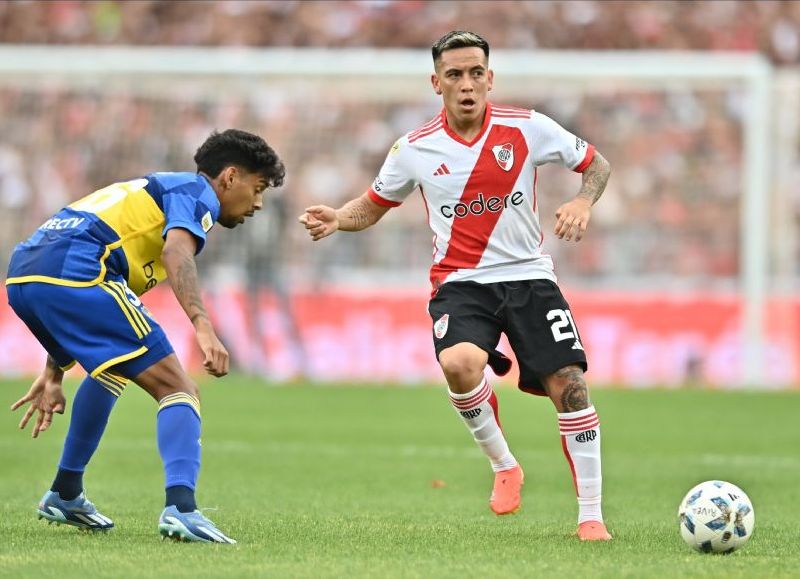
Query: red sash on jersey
x=470, y=234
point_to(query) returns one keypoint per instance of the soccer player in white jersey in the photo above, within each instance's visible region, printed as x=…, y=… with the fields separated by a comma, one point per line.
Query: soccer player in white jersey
x=475, y=165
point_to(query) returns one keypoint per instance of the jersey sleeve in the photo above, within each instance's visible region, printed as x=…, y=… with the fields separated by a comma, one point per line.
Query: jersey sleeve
x=552, y=143
x=185, y=208
x=396, y=179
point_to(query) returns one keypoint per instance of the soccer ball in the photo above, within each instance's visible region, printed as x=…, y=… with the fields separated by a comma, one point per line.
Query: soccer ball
x=716, y=517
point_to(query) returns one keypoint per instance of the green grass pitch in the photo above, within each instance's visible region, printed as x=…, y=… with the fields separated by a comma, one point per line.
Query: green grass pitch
x=385, y=482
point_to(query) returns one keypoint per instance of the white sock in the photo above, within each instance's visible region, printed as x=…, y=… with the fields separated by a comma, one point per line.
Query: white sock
x=580, y=439
x=478, y=409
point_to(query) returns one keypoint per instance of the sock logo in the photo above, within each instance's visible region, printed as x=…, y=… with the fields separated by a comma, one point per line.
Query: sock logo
x=586, y=436
x=470, y=414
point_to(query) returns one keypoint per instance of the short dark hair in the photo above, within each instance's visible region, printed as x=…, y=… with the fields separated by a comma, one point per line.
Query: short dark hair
x=458, y=39
x=242, y=149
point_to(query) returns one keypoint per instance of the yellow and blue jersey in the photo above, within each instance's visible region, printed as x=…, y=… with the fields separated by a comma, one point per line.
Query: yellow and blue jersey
x=117, y=233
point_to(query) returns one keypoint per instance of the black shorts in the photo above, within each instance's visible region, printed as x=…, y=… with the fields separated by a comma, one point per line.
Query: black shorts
x=532, y=313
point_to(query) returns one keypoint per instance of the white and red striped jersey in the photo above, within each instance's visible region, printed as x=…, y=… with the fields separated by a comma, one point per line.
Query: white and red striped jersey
x=481, y=195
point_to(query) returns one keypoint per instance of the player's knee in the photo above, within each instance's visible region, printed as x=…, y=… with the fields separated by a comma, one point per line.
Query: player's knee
x=463, y=366
x=567, y=388
x=167, y=377
x=188, y=386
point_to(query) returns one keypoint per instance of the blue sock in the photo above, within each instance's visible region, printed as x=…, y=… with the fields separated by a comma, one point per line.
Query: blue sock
x=178, y=426
x=90, y=411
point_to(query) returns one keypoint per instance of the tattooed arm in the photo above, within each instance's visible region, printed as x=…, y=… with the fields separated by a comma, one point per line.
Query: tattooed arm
x=573, y=216
x=355, y=215
x=595, y=177
x=178, y=259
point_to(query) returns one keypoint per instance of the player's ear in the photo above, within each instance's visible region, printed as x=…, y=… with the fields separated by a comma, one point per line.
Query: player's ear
x=490, y=77
x=229, y=176
x=437, y=88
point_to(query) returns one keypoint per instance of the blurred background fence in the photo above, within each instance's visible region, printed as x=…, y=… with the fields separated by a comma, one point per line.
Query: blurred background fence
x=688, y=274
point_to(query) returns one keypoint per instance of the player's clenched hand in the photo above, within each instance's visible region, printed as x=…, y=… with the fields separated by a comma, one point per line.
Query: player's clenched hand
x=573, y=219
x=216, y=358
x=320, y=221
x=46, y=397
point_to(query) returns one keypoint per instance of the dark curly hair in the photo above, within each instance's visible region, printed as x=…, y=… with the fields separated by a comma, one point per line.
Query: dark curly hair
x=242, y=149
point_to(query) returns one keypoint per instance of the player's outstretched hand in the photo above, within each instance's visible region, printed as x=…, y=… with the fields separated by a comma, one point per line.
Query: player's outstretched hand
x=573, y=219
x=46, y=397
x=216, y=358
x=320, y=221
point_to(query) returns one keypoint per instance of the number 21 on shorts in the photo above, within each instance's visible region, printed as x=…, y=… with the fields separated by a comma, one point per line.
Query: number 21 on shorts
x=563, y=327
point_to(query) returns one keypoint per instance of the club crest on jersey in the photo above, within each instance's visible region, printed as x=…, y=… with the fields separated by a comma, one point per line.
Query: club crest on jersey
x=440, y=327
x=504, y=154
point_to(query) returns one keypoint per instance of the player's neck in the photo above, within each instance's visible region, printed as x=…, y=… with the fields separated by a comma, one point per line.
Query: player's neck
x=467, y=129
x=215, y=184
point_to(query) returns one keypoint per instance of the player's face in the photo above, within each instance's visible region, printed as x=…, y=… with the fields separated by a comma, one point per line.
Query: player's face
x=463, y=79
x=242, y=197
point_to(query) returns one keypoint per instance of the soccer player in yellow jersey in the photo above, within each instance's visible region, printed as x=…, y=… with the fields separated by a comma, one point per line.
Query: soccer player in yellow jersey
x=75, y=283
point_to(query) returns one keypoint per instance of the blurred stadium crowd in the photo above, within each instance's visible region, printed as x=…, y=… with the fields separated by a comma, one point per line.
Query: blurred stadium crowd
x=671, y=211
x=769, y=26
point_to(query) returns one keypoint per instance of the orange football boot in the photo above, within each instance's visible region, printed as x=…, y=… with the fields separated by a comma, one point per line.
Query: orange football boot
x=593, y=531
x=505, y=497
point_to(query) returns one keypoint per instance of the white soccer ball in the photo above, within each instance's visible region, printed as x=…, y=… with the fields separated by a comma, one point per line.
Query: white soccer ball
x=716, y=517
